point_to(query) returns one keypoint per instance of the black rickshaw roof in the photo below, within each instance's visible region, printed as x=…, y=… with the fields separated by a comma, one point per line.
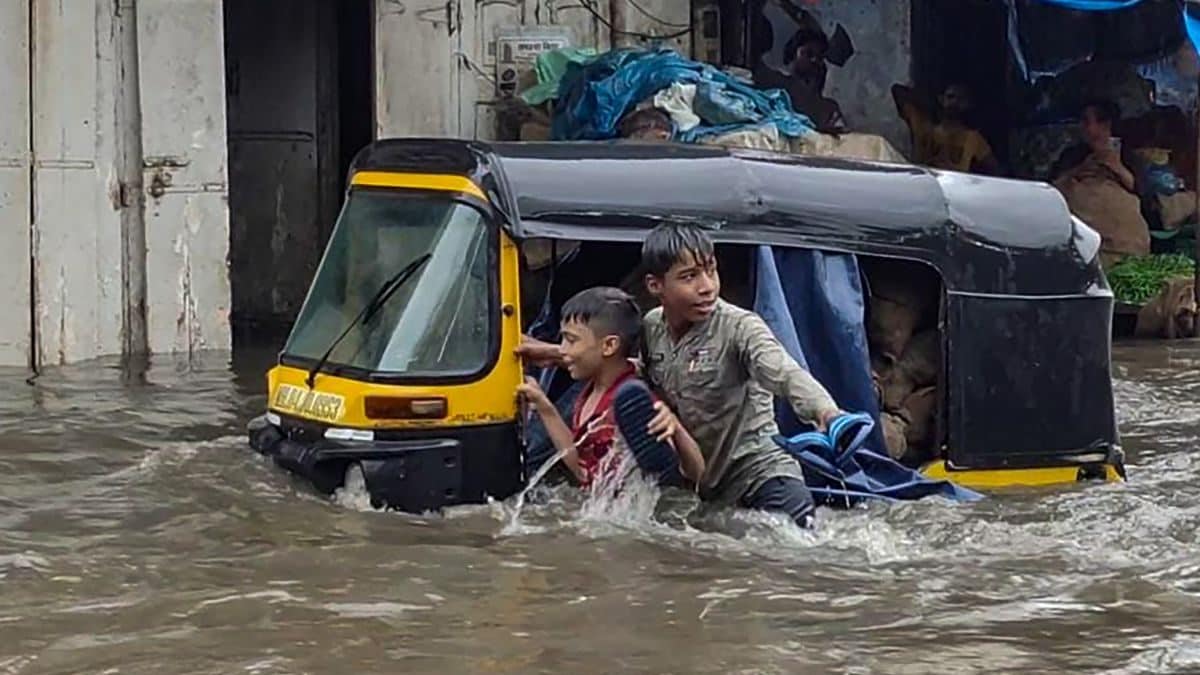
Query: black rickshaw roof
x=983, y=234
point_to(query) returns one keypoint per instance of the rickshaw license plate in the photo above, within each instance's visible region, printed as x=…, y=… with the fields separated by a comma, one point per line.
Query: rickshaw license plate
x=307, y=403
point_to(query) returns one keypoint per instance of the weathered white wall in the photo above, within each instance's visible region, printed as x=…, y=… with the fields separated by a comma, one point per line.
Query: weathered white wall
x=435, y=76
x=14, y=183
x=415, y=69
x=182, y=73
x=64, y=140
x=882, y=36
x=76, y=230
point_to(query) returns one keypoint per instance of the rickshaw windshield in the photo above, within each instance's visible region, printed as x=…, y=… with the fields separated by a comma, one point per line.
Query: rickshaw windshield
x=439, y=323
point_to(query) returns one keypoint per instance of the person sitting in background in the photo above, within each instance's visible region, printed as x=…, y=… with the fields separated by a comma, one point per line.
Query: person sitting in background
x=647, y=124
x=947, y=142
x=1100, y=189
x=805, y=55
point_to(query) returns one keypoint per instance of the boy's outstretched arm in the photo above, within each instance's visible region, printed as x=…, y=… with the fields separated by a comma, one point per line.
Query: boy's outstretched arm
x=691, y=462
x=665, y=426
x=556, y=428
x=771, y=366
x=538, y=353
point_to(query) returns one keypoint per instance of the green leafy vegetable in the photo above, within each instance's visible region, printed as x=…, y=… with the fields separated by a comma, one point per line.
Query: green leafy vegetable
x=1138, y=280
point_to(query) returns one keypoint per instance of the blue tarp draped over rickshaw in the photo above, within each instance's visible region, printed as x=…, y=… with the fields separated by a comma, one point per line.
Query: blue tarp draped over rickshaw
x=814, y=303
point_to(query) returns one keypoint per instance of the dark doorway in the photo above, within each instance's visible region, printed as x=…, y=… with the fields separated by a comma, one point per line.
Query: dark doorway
x=299, y=103
x=966, y=42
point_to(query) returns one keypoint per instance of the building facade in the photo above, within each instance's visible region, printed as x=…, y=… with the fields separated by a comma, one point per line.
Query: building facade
x=170, y=169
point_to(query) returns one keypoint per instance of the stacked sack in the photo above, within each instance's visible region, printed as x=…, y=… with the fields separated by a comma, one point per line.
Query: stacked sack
x=905, y=356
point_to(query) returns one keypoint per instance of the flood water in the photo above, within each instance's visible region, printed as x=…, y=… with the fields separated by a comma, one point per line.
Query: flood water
x=139, y=535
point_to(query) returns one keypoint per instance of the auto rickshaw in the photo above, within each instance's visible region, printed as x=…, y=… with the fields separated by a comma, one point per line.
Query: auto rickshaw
x=401, y=364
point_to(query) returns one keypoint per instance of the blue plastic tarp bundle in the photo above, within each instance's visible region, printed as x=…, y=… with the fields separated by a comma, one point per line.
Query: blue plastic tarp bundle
x=594, y=96
x=840, y=471
x=813, y=302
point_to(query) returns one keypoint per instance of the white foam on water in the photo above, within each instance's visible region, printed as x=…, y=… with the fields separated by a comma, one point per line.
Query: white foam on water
x=17, y=664
x=1180, y=654
x=272, y=663
x=373, y=610
x=272, y=597
x=175, y=454
x=353, y=493
x=24, y=561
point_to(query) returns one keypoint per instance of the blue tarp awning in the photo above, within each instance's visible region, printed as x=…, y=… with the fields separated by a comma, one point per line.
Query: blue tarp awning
x=1046, y=41
x=1191, y=11
x=1093, y=5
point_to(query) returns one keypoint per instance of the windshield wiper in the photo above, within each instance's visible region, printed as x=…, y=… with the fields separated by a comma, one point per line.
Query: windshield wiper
x=376, y=303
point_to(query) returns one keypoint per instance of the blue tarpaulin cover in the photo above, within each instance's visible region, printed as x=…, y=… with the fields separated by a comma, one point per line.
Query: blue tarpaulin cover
x=813, y=301
x=594, y=96
x=840, y=471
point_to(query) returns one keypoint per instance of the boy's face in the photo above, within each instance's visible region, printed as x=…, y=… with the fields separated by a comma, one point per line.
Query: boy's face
x=689, y=290
x=583, y=351
x=1096, y=131
x=808, y=59
x=954, y=101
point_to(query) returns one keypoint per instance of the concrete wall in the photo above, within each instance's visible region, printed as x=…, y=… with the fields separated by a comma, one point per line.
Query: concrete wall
x=103, y=275
x=114, y=142
x=14, y=183
x=434, y=73
x=182, y=77
x=76, y=225
x=882, y=36
x=435, y=70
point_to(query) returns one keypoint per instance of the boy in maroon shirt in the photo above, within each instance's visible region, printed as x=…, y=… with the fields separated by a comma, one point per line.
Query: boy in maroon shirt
x=601, y=329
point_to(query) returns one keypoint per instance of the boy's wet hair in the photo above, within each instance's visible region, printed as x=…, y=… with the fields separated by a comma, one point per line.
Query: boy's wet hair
x=607, y=311
x=666, y=244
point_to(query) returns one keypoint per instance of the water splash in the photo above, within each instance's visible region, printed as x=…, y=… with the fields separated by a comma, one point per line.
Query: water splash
x=354, y=494
x=514, y=525
x=621, y=493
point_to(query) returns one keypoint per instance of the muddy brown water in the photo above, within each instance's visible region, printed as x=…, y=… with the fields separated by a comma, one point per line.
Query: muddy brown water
x=139, y=535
